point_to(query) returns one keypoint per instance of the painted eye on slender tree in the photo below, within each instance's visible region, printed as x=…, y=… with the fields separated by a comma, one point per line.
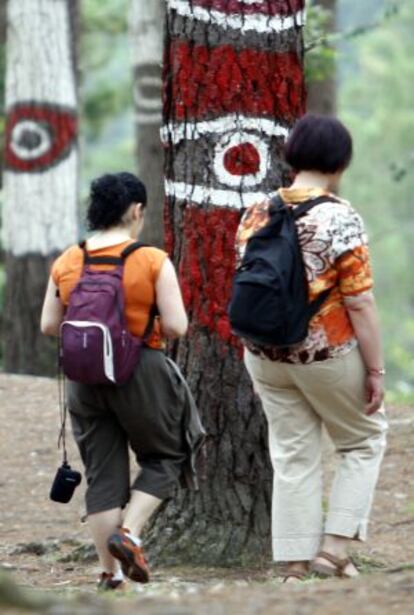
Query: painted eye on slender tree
x=38, y=136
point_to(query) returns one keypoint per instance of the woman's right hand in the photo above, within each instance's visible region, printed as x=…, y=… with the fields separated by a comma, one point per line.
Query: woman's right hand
x=375, y=393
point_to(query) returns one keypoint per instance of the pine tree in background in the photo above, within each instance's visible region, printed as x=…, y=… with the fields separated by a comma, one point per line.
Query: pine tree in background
x=146, y=30
x=41, y=169
x=321, y=89
x=233, y=86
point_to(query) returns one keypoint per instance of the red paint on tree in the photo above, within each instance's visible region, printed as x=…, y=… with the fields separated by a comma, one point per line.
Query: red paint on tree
x=242, y=159
x=38, y=136
x=274, y=7
x=168, y=230
x=207, y=266
x=209, y=82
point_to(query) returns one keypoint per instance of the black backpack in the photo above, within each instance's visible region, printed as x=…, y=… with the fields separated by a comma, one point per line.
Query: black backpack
x=269, y=304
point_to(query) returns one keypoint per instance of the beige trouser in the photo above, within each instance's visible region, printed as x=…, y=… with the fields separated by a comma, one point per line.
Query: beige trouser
x=298, y=400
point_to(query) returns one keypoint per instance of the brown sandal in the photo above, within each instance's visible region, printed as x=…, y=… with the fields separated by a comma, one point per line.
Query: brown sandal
x=325, y=572
x=296, y=574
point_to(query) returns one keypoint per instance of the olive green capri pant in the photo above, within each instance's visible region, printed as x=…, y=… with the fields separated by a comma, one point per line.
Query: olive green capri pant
x=146, y=414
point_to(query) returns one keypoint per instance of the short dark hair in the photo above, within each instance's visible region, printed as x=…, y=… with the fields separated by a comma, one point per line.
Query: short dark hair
x=110, y=197
x=319, y=143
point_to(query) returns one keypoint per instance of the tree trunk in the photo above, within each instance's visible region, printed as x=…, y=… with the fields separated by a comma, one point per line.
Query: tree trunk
x=41, y=170
x=233, y=86
x=3, y=6
x=321, y=96
x=146, y=28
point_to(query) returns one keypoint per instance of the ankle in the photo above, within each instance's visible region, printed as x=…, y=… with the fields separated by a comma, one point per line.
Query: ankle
x=302, y=566
x=336, y=545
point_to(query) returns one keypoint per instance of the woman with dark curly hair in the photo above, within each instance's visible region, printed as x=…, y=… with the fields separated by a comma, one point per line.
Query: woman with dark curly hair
x=149, y=411
x=334, y=377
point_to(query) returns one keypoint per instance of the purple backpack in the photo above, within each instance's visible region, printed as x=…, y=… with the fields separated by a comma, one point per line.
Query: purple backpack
x=95, y=344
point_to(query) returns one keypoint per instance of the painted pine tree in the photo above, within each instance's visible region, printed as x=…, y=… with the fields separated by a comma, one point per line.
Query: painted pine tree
x=146, y=24
x=41, y=169
x=233, y=86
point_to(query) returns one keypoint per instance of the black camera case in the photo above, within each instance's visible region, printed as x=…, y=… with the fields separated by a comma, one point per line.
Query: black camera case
x=64, y=484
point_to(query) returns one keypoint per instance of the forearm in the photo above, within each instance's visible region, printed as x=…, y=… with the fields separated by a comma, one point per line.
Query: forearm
x=365, y=322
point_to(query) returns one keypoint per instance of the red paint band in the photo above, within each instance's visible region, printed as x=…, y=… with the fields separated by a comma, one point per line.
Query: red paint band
x=269, y=7
x=27, y=125
x=207, y=266
x=210, y=82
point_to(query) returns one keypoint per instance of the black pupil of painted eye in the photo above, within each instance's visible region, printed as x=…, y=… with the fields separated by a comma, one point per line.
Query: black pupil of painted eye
x=29, y=139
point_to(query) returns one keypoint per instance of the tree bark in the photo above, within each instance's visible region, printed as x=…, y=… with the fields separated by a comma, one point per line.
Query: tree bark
x=321, y=96
x=41, y=170
x=233, y=86
x=146, y=29
x=3, y=6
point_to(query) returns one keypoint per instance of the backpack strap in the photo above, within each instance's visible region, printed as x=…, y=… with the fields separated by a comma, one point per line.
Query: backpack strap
x=109, y=260
x=98, y=260
x=154, y=309
x=148, y=329
x=132, y=247
x=303, y=208
x=277, y=204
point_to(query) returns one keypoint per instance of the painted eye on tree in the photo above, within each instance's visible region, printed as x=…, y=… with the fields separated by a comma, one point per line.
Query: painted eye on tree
x=38, y=136
x=241, y=159
x=242, y=150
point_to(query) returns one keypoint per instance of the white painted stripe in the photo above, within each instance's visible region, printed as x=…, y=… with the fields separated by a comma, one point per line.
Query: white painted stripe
x=148, y=118
x=257, y=22
x=148, y=80
x=145, y=28
x=39, y=211
x=37, y=70
x=204, y=195
x=149, y=104
x=228, y=123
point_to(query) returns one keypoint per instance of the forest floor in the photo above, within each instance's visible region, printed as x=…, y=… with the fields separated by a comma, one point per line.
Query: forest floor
x=45, y=548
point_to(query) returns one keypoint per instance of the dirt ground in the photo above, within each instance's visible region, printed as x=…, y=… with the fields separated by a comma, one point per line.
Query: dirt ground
x=45, y=547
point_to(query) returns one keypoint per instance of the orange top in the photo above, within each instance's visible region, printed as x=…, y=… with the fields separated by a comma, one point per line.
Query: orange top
x=141, y=271
x=336, y=256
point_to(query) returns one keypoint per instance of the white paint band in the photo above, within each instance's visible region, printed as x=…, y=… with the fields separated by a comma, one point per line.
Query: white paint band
x=39, y=211
x=176, y=132
x=39, y=63
x=205, y=195
x=257, y=22
x=147, y=118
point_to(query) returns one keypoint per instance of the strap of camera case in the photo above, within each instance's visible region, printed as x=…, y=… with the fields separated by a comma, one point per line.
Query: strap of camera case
x=63, y=412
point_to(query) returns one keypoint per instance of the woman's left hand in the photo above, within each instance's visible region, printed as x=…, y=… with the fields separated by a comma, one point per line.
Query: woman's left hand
x=375, y=393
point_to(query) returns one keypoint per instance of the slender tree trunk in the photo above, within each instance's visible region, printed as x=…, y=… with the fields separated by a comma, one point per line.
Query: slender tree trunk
x=146, y=28
x=41, y=169
x=322, y=93
x=3, y=6
x=233, y=86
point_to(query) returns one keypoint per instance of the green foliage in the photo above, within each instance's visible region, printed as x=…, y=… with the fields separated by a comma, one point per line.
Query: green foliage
x=375, y=101
x=106, y=90
x=320, y=57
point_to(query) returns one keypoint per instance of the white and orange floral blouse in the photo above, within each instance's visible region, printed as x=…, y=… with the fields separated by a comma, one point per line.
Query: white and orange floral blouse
x=336, y=256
